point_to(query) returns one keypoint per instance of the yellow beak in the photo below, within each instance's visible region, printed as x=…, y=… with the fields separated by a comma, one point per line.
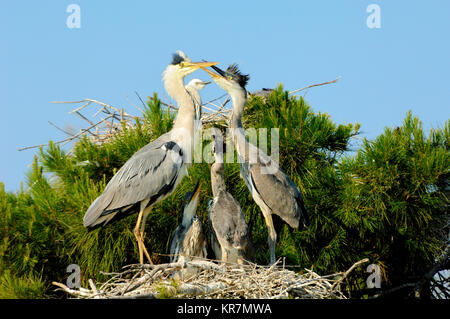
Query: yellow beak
x=198, y=65
x=211, y=73
x=197, y=192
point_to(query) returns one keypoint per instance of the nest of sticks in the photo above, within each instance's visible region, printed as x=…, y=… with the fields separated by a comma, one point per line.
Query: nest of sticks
x=209, y=279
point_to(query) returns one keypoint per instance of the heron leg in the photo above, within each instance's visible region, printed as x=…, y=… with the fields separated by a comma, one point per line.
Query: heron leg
x=142, y=231
x=224, y=254
x=240, y=257
x=137, y=230
x=272, y=235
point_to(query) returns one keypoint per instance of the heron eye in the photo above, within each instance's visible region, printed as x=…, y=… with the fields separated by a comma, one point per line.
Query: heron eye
x=181, y=64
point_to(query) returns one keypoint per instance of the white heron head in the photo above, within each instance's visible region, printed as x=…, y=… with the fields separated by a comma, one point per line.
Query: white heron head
x=178, y=69
x=182, y=66
x=197, y=84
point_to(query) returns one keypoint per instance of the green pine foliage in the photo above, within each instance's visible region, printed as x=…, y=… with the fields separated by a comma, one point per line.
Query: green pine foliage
x=384, y=202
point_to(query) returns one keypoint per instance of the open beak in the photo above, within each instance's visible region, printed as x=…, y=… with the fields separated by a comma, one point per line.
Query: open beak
x=198, y=65
x=218, y=70
x=196, y=193
x=191, y=205
x=211, y=73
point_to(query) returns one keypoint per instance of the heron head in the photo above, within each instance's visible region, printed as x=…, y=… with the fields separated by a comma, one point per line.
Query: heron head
x=191, y=199
x=219, y=145
x=230, y=80
x=182, y=66
x=197, y=84
x=218, y=148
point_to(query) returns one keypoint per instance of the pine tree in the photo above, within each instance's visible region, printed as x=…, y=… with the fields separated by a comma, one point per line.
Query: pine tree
x=385, y=202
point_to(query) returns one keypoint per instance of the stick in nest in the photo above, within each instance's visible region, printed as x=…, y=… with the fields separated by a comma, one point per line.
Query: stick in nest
x=214, y=279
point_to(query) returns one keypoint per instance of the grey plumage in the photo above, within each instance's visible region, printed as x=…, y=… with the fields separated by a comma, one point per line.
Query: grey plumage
x=229, y=228
x=152, y=172
x=263, y=93
x=272, y=190
x=188, y=240
x=277, y=192
x=177, y=58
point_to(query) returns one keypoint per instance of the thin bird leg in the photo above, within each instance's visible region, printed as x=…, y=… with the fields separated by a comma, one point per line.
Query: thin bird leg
x=272, y=235
x=240, y=258
x=136, y=231
x=142, y=231
x=224, y=254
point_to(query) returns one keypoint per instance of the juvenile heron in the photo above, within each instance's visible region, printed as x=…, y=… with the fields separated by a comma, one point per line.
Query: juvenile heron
x=230, y=238
x=188, y=239
x=272, y=190
x=193, y=88
x=154, y=171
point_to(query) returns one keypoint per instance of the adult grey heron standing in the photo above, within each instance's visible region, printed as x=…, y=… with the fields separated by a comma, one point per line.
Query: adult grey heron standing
x=155, y=170
x=188, y=239
x=229, y=235
x=272, y=190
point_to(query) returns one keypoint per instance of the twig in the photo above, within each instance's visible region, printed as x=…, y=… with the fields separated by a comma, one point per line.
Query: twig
x=345, y=274
x=314, y=85
x=205, y=278
x=69, y=138
x=54, y=125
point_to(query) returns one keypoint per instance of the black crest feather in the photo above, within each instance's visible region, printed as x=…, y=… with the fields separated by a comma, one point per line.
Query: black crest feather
x=242, y=79
x=176, y=59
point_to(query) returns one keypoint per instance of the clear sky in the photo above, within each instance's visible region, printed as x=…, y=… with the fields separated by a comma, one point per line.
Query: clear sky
x=123, y=46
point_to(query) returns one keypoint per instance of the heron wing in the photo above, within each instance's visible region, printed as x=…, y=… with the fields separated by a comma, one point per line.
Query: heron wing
x=151, y=173
x=215, y=245
x=280, y=194
x=175, y=243
x=226, y=214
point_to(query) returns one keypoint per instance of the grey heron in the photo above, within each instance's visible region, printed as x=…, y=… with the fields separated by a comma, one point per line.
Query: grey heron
x=272, y=190
x=230, y=237
x=154, y=171
x=188, y=239
x=193, y=88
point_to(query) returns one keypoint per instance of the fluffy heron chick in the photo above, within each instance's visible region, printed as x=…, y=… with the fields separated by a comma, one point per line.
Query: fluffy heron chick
x=230, y=238
x=189, y=241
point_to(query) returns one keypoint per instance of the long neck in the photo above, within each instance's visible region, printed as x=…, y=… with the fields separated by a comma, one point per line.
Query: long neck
x=184, y=122
x=186, y=110
x=217, y=181
x=239, y=99
x=196, y=98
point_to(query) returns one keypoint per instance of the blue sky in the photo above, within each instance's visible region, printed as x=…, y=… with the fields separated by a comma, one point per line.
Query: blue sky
x=123, y=46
